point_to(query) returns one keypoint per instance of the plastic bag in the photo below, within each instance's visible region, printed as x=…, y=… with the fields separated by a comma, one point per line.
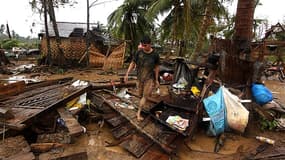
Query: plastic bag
x=261, y=94
x=236, y=113
x=215, y=108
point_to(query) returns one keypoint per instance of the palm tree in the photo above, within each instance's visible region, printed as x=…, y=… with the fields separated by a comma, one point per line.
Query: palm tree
x=237, y=65
x=176, y=25
x=213, y=9
x=128, y=21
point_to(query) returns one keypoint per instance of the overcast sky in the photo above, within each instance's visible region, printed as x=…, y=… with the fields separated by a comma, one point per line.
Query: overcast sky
x=19, y=16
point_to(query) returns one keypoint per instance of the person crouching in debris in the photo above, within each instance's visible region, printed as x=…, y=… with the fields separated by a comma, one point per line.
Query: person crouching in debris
x=146, y=60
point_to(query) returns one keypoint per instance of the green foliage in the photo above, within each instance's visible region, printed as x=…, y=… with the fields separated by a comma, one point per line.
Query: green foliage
x=60, y=71
x=22, y=42
x=266, y=124
x=273, y=58
x=128, y=22
x=9, y=44
x=280, y=36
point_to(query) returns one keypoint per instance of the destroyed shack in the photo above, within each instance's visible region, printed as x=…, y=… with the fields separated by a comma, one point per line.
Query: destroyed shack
x=272, y=44
x=104, y=51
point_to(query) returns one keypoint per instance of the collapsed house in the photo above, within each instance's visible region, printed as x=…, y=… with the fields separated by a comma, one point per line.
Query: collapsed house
x=104, y=51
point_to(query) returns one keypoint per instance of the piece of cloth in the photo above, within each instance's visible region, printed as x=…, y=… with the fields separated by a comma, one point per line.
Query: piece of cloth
x=145, y=63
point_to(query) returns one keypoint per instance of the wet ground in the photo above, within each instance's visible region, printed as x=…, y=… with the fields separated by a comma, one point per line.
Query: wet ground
x=277, y=88
x=200, y=147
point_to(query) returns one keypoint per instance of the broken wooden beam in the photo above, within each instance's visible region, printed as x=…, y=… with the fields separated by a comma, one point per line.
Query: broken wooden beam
x=71, y=123
x=58, y=96
x=5, y=113
x=17, y=127
x=48, y=82
x=75, y=155
x=45, y=147
x=109, y=86
x=63, y=138
x=165, y=147
x=12, y=89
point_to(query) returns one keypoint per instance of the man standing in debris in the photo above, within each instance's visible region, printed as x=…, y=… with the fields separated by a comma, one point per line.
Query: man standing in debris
x=146, y=61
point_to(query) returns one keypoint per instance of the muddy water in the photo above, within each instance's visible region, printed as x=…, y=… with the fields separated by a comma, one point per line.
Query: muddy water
x=278, y=90
x=94, y=142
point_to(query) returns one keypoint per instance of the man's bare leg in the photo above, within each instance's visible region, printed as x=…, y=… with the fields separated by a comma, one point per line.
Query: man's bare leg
x=147, y=88
x=142, y=103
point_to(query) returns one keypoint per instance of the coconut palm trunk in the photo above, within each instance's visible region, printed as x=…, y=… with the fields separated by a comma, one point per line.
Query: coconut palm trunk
x=203, y=31
x=237, y=65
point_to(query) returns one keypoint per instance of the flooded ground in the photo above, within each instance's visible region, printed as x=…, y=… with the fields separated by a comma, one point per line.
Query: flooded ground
x=200, y=147
x=277, y=88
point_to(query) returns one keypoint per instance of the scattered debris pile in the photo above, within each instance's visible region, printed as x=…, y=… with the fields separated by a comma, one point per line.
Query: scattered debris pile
x=41, y=120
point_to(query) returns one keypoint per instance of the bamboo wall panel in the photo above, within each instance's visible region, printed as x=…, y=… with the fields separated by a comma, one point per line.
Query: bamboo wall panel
x=116, y=59
x=75, y=48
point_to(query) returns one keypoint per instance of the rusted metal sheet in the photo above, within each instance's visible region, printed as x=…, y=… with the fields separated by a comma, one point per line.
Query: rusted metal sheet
x=137, y=145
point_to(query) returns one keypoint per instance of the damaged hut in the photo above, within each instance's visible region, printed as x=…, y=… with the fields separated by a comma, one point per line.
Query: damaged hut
x=103, y=52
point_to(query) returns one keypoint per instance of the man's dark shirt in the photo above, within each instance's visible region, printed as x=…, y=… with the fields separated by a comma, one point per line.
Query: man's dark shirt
x=145, y=63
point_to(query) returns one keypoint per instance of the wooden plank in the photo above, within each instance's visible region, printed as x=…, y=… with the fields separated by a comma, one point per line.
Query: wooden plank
x=116, y=121
x=148, y=127
x=122, y=130
x=12, y=89
x=149, y=133
x=137, y=145
x=110, y=86
x=23, y=115
x=71, y=123
x=154, y=153
x=17, y=127
x=6, y=113
x=75, y=155
x=48, y=83
x=63, y=138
